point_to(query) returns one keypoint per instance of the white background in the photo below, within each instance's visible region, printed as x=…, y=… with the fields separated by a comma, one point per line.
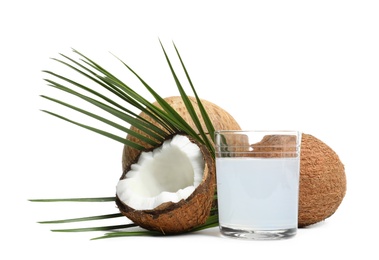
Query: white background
x=306, y=65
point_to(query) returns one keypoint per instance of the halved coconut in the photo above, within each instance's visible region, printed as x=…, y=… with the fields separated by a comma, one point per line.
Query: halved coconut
x=169, y=188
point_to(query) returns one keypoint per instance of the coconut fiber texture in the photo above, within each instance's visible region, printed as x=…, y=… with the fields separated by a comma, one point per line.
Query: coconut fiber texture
x=322, y=175
x=322, y=181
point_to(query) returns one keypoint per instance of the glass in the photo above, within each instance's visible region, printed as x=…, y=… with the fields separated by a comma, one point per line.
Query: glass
x=258, y=183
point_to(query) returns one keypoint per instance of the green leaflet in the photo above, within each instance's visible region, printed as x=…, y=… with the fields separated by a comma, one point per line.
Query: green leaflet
x=118, y=100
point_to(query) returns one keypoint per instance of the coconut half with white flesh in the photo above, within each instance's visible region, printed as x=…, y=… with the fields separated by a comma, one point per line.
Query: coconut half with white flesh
x=169, y=188
x=177, y=196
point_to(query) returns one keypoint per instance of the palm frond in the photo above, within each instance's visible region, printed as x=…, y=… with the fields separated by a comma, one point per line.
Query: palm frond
x=188, y=103
x=131, y=96
x=136, y=122
x=119, y=102
x=87, y=229
x=97, y=199
x=128, y=234
x=171, y=114
x=115, y=215
x=203, y=112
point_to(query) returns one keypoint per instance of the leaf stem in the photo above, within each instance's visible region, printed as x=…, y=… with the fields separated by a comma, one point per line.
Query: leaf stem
x=116, y=215
x=98, y=199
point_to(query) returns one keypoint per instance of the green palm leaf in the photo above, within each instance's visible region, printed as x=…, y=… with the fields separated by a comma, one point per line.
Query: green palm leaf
x=188, y=103
x=131, y=97
x=174, y=117
x=115, y=103
x=134, y=121
x=203, y=112
x=87, y=229
x=98, y=199
x=115, y=215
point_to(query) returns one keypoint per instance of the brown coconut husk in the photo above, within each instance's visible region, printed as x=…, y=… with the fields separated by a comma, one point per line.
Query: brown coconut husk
x=180, y=217
x=322, y=181
x=275, y=146
x=322, y=175
x=175, y=218
x=220, y=119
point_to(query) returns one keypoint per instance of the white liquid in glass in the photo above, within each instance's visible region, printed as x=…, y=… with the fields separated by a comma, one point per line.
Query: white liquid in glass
x=258, y=194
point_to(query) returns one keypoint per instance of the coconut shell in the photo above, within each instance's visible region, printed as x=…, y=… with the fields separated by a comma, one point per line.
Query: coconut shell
x=175, y=218
x=322, y=175
x=220, y=119
x=322, y=181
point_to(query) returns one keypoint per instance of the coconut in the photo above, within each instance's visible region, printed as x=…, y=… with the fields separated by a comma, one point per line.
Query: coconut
x=220, y=119
x=322, y=181
x=169, y=188
x=322, y=176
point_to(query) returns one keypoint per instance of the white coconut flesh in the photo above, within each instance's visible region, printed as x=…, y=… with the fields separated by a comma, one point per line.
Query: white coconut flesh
x=169, y=173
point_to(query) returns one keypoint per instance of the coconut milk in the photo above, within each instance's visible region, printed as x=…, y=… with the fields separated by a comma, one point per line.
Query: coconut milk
x=258, y=193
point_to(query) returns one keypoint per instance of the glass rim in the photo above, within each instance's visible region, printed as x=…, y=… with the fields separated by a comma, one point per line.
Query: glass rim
x=222, y=135
x=257, y=131
x=284, y=132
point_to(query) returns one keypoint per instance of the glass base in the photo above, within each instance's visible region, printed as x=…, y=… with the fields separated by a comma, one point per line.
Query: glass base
x=258, y=234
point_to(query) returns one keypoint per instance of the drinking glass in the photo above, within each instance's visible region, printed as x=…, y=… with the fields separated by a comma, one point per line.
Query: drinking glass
x=258, y=183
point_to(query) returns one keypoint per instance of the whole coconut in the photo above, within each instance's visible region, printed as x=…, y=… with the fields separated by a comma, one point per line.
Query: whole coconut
x=322, y=176
x=322, y=181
